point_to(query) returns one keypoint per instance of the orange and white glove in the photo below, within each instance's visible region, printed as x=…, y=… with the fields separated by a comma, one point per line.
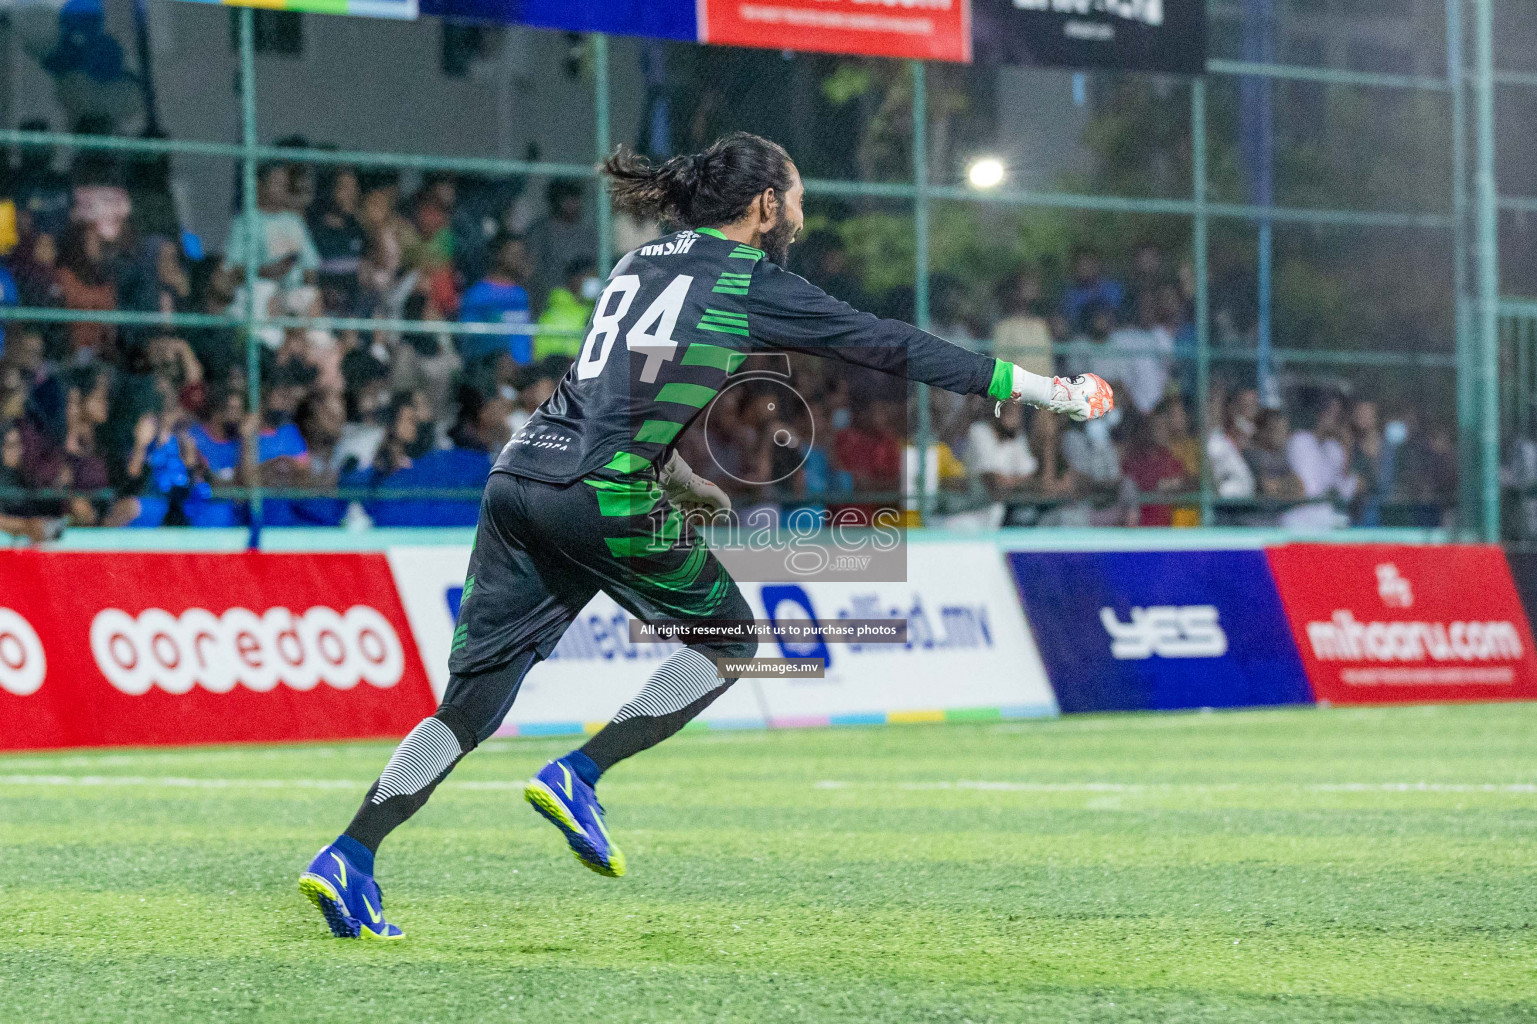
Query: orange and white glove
x=1083, y=397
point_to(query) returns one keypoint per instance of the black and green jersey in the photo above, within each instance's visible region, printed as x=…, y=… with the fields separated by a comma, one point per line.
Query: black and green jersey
x=680, y=314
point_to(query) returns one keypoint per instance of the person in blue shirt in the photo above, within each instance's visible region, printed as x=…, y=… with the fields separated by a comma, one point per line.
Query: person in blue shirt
x=1090, y=287
x=499, y=298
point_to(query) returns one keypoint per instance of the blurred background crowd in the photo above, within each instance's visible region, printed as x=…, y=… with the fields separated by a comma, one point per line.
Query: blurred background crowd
x=136, y=424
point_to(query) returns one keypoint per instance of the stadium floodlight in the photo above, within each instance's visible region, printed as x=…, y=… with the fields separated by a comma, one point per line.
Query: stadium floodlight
x=985, y=172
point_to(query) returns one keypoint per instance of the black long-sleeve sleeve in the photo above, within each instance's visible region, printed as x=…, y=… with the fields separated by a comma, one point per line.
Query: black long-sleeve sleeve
x=788, y=312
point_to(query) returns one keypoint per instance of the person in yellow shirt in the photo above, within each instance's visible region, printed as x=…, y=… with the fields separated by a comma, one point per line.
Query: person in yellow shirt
x=566, y=310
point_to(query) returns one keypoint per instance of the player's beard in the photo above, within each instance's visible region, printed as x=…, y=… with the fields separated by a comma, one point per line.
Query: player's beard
x=776, y=242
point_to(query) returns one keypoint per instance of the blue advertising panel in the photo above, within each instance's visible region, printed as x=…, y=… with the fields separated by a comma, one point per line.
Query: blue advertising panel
x=1146, y=630
x=665, y=19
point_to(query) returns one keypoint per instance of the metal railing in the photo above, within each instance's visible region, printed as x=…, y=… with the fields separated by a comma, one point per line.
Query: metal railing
x=1476, y=353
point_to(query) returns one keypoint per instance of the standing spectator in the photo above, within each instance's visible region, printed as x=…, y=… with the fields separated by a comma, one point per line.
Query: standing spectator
x=1149, y=272
x=338, y=238
x=560, y=237
x=1318, y=457
x=285, y=253
x=1137, y=359
x=499, y=298
x=567, y=311
x=85, y=282
x=998, y=452
x=42, y=193
x=1090, y=287
x=98, y=195
x=1023, y=337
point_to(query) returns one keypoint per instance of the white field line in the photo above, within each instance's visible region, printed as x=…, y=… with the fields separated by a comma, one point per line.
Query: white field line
x=1183, y=787
x=178, y=782
x=497, y=785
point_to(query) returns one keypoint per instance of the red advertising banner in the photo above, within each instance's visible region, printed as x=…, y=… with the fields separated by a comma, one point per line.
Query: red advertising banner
x=922, y=29
x=1387, y=624
x=101, y=649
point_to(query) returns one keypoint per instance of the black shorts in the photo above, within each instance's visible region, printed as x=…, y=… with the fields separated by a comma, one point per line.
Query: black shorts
x=543, y=550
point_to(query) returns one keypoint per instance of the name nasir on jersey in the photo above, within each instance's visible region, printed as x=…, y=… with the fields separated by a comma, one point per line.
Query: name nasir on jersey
x=680, y=314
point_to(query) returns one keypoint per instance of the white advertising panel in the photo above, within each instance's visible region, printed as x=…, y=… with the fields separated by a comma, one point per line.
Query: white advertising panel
x=968, y=650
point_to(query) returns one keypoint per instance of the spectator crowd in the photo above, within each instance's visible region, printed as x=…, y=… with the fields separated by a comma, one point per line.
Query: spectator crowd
x=144, y=424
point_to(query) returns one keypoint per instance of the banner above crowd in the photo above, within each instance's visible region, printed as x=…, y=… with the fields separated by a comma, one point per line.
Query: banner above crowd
x=400, y=10
x=1137, y=35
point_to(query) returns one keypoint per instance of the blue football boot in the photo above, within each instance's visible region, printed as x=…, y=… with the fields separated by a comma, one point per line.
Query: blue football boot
x=348, y=899
x=571, y=805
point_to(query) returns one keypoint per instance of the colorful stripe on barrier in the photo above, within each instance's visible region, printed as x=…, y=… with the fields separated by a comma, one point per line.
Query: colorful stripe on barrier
x=999, y=714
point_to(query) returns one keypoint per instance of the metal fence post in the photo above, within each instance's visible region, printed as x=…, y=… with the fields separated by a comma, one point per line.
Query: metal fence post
x=1202, y=295
x=1469, y=488
x=601, y=107
x=923, y=438
x=1488, y=275
x=252, y=231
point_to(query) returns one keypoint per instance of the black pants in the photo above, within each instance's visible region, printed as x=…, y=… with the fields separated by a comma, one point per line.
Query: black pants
x=542, y=551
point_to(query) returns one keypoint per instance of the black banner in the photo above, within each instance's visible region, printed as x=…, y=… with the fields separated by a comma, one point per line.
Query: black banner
x=1130, y=35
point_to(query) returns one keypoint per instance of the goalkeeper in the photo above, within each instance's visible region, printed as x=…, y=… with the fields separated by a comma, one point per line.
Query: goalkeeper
x=585, y=496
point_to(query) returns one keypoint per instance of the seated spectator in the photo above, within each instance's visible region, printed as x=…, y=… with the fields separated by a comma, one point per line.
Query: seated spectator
x=34, y=264
x=998, y=452
x=1268, y=461
x=1090, y=287
x=16, y=514
x=537, y=384
x=499, y=298
x=1317, y=456
x=85, y=282
x=218, y=442
x=567, y=309
x=1093, y=462
x=1225, y=448
x=426, y=361
x=1153, y=467
x=870, y=451
x=1373, y=461
x=60, y=448
x=479, y=437
x=1023, y=337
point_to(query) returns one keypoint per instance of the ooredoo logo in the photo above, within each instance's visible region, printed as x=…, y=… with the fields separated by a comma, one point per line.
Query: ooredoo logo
x=199, y=648
x=22, y=664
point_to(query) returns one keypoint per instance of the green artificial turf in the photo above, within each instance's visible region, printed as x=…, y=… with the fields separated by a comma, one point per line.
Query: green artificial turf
x=1297, y=866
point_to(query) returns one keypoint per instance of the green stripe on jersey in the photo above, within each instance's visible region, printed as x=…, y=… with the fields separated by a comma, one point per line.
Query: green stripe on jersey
x=627, y=462
x=712, y=232
x=682, y=577
x=701, y=354
x=746, y=252
x=695, y=395
x=657, y=432
x=626, y=497
x=719, y=329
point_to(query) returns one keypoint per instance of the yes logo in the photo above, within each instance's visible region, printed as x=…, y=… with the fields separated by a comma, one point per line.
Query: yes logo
x=1168, y=631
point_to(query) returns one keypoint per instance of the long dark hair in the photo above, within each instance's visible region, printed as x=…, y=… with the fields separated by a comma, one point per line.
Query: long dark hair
x=713, y=187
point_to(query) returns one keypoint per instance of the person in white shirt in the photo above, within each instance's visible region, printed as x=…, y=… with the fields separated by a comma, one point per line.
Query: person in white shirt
x=1140, y=357
x=1225, y=446
x=1320, y=461
x=998, y=452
